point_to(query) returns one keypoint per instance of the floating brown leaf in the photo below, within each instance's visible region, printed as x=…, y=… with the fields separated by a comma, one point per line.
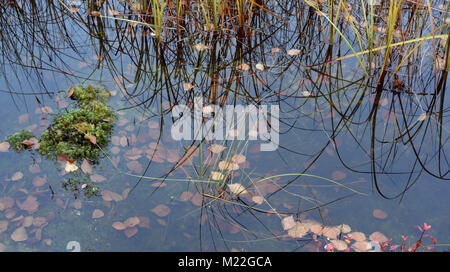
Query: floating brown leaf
x=216, y=148
x=30, y=204
x=258, y=199
x=361, y=246
x=4, y=147
x=28, y=221
x=132, y=221
x=97, y=214
x=288, y=222
x=216, y=175
x=339, y=244
x=187, y=86
x=293, y=52
x=380, y=214
x=161, y=210
x=27, y=143
x=230, y=166
x=106, y=195
x=243, y=66
x=298, y=231
x=330, y=232
x=378, y=237
x=237, y=188
x=19, y=235
x=358, y=236
x=69, y=94
x=119, y=226
x=238, y=158
x=129, y=232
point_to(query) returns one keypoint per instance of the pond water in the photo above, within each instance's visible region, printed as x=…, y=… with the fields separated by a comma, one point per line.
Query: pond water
x=360, y=144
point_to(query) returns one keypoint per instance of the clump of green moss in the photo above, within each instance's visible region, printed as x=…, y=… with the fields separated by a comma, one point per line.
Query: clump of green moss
x=80, y=132
x=75, y=185
x=15, y=140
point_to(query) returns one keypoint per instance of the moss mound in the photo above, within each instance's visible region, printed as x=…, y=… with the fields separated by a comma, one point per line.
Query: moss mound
x=16, y=140
x=79, y=133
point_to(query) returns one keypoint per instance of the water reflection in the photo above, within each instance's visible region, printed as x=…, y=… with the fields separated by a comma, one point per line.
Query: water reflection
x=345, y=118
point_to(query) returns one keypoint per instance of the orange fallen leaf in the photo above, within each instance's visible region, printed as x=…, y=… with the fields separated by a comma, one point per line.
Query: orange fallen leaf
x=69, y=94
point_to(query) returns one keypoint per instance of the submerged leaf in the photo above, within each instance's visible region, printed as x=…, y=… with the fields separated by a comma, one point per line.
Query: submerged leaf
x=161, y=210
x=19, y=235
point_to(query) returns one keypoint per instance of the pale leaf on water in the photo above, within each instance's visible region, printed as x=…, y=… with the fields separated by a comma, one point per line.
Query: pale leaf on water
x=298, y=231
x=230, y=166
x=237, y=188
x=216, y=175
x=71, y=167
x=17, y=176
x=119, y=226
x=258, y=199
x=358, y=236
x=4, y=147
x=243, y=67
x=306, y=93
x=339, y=244
x=19, y=235
x=288, y=222
x=238, y=158
x=216, y=148
x=260, y=66
x=132, y=221
x=97, y=214
x=422, y=117
x=293, y=52
x=378, y=237
x=187, y=86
